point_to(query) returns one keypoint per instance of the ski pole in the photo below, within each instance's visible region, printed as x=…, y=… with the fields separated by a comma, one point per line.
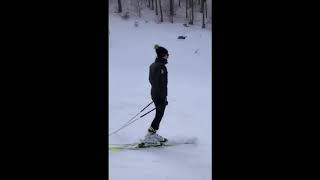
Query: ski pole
x=129, y=122
x=147, y=112
x=146, y=106
x=139, y=113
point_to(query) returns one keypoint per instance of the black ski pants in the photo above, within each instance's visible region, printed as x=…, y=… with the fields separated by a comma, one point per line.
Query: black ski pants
x=160, y=104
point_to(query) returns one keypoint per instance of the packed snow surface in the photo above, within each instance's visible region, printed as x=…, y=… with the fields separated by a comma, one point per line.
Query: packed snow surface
x=188, y=114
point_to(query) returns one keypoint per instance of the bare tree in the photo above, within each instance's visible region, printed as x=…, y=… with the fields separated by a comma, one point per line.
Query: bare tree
x=138, y=6
x=149, y=4
x=192, y=10
x=192, y=15
x=119, y=6
x=157, y=7
x=206, y=9
x=186, y=9
x=171, y=10
x=161, y=20
x=152, y=7
x=202, y=7
x=179, y=3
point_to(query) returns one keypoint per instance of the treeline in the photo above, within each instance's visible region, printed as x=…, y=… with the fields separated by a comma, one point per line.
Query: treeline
x=167, y=8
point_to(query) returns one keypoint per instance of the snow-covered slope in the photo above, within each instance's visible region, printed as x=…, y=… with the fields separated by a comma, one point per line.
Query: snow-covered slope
x=131, y=51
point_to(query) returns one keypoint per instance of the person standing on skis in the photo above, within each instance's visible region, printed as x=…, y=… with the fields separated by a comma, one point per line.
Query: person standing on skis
x=158, y=78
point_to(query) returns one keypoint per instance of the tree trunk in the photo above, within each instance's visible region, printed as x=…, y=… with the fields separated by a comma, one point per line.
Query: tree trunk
x=139, y=8
x=186, y=9
x=179, y=3
x=202, y=7
x=192, y=16
x=157, y=7
x=192, y=11
x=161, y=20
x=119, y=6
x=152, y=7
x=206, y=10
x=171, y=10
x=149, y=4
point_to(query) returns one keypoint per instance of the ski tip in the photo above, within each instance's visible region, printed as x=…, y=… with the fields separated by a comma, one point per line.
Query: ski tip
x=114, y=149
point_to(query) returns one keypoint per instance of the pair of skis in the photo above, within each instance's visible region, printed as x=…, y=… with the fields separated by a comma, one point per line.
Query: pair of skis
x=133, y=146
x=142, y=145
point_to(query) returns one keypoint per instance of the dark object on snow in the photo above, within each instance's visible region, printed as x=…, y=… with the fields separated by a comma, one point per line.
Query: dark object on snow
x=182, y=37
x=185, y=25
x=125, y=16
x=136, y=24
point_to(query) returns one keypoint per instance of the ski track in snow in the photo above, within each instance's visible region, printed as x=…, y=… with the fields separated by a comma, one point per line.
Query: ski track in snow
x=131, y=51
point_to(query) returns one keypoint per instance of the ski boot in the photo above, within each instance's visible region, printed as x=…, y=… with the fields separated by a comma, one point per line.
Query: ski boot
x=153, y=139
x=156, y=136
x=149, y=140
x=160, y=138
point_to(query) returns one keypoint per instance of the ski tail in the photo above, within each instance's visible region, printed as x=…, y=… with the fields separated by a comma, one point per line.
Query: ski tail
x=181, y=140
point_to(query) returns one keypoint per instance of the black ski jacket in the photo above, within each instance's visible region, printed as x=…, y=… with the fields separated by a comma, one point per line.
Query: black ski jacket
x=158, y=78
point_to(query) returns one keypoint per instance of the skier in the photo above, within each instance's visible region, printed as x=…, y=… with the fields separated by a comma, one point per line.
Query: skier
x=158, y=78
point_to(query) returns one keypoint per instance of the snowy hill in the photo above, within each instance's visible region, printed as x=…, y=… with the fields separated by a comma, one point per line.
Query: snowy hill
x=131, y=51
